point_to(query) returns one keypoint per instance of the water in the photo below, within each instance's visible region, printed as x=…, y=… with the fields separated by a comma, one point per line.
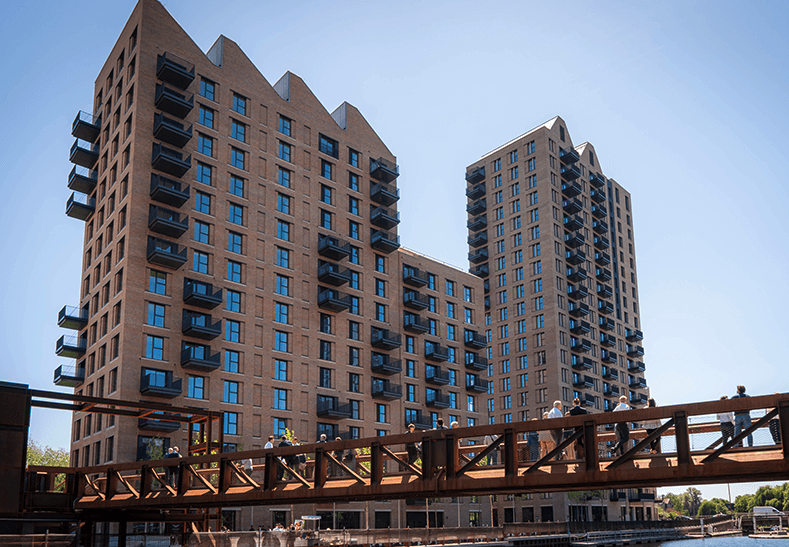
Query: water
x=727, y=542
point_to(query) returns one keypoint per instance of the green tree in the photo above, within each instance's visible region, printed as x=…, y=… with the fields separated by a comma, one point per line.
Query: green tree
x=693, y=500
x=45, y=455
x=713, y=507
x=744, y=503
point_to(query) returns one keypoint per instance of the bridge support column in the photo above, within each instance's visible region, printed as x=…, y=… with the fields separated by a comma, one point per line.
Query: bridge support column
x=510, y=453
x=122, y=525
x=591, y=455
x=376, y=463
x=320, y=468
x=682, y=438
x=783, y=424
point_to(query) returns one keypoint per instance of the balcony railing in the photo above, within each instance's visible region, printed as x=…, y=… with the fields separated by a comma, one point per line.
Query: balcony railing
x=200, y=325
x=478, y=255
x=481, y=270
x=575, y=222
x=604, y=291
x=199, y=358
x=172, y=69
x=73, y=317
x=415, y=301
x=167, y=222
x=575, y=257
x=606, y=323
x=477, y=223
x=610, y=391
x=568, y=156
x=608, y=356
x=637, y=382
x=596, y=180
x=601, y=242
x=476, y=384
x=84, y=153
x=610, y=373
x=578, y=310
x=384, y=217
x=437, y=399
x=603, y=274
x=165, y=253
x=599, y=211
x=82, y=180
x=413, y=323
x=383, y=339
x=86, y=126
x=333, y=248
x=170, y=161
x=574, y=240
x=570, y=172
x=331, y=408
x=475, y=361
x=419, y=421
x=635, y=366
x=600, y=226
x=581, y=345
x=576, y=274
x=597, y=195
x=384, y=389
x=475, y=175
x=473, y=339
x=333, y=300
x=383, y=364
x=436, y=352
x=582, y=363
x=476, y=207
x=155, y=424
x=159, y=385
x=69, y=375
x=434, y=375
x=385, y=242
x=602, y=258
x=201, y=294
x=71, y=346
x=80, y=206
x=173, y=102
x=577, y=292
x=572, y=206
x=580, y=327
x=385, y=194
x=170, y=191
x=635, y=351
x=331, y=274
x=414, y=277
x=384, y=170
x=633, y=335
x=607, y=340
x=170, y=131
x=583, y=381
x=475, y=191
x=604, y=306
x=478, y=239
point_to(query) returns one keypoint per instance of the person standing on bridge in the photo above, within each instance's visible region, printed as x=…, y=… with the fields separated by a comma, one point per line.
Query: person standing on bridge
x=652, y=425
x=546, y=439
x=622, y=429
x=727, y=423
x=742, y=418
x=556, y=412
x=578, y=410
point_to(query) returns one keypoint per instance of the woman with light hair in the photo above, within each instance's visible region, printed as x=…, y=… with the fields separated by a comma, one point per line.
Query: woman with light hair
x=546, y=439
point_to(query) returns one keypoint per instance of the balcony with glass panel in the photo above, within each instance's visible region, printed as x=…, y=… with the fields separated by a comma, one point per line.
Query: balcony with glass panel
x=167, y=222
x=158, y=383
x=635, y=351
x=174, y=70
x=165, y=253
x=86, y=126
x=571, y=189
x=604, y=306
x=70, y=346
x=383, y=364
x=414, y=276
x=169, y=191
x=478, y=239
x=169, y=160
x=69, y=375
x=574, y=240
x=568, y=156
x=201, y=294
x=200, y=325
x=582, y=381
x=332, y=247
x=598, y=196
x=602, y=258
x=413, y=323
x=385, y=194
x=604, y=291
x=477, y=223
x=331, y=274
x=436, y=352
x=572, y=206
x=607, y=340
x=577, y=274
x=606, y=323
x=578, y=309
x=600, y=226
x=603, y=274
x=84, y=153
x=384, y=170
x=575, y=222
x=577, y=292
x=570, y=172
x=199, y=357
x=599, y=211
x=386, y=390
x=473, y=339
x=384, y=339
x=578, y=326
x=384, y=217
x=475, y=175
x=80, y=206
x=608, y=356
x=635, y=366
x=171, y=131
x=476, y=207
x=476, y=384
x=581, y=345
x=575, y=257
x=610, y=373
x=82, y=180
x=158, y=424
x=581, y=363
x=633, y=335
x=434, y=375
x=383, y=241
x=481, y=270
x=173, y=102
x=73, y=317
x=596, y=180
x=330, y=407
x=437, y=399
x=333, y=300
x=474, y=361
x=415, y=301
x=478, y=255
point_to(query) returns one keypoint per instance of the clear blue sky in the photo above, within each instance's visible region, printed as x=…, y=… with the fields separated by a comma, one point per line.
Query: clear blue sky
x=684, y=101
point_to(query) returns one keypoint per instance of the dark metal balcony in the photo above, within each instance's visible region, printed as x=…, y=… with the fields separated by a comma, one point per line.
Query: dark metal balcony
x=581, y=345
x=574, y=240
x=604, y=291
x=602, y=258
x=606, y=323
x=434, y=375
x=600, y=226
x=383, y=364
x=475, y=191
x=610, y=373
x=602, y=274
x=478, y=239
x=638, y=383
x=475, y=361
x=333, y=300
x=570, y=189
x=610, y=390
x=414, y=300
x=413, y=323
x=575, y=257
x=384, y=170
x=477, y=207
x=604, y=306
x=333, y=248
x=582, y=363
x=172, y=102
x=599, y=211
x=159, y=385
x=86, y=126
x=570, y=172
x=633, y=335
x=383, y=217
x=384, y=389
x=69, y=375
x=601, y=242
x=80, y=206
x=71, y=346
x=165, y=253
x=385, y=194
x=172, y=69
x=383, y=339
x=572, y=206
x=436, y=352
x=598, y=196
x=165, y=190
x=607, y=340
x=170, y=131
x=197, y=357
x=477, y=223
x=475, y=175
x=83, y=180
x=199, y=325
x=577, y=292
x=331, y=274
x=578, y=310
x=596, y=180
x=170, y=161
x=437, y=399
x=568, y=156
x=154, y=424
x=573, y=223
x=476, y=384
x=473, y=339
x=414, y=276
x=84, y=153
x=419, y=421
x=478, y=255
x=385, y=242
x=608, y=356
x=72, y=317
x=580, y=327
x=635, y=351
x=635, y=366
x=481, y=270
x=201, y=294
x=639, y=398
x=167, y=222
x=583, y=381
x=331, y=408
x=577, y=274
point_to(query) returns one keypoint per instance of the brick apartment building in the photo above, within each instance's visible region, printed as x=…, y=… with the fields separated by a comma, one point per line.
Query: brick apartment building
x=241, y=255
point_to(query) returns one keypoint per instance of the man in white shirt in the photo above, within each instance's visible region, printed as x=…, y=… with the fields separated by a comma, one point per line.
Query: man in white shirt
x=622, y=430
x=727, y=423
x=270, y=443
x=556, y=412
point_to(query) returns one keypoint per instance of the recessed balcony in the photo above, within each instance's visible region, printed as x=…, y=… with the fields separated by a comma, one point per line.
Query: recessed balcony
x=596, y=180
x=86, y=126
x=84, y=153
x=437, y=399
x=170, y=161
x=608, y=356
x=331, y=274
x=386, y=390
x=69, y=375
x=604, y=306
x=478, y=255
x=602, y=274
x=383, y=217
x=570, y=172
x=581, y=363
x=333, y=248
x=384, y=170
x=167, y=222
x=419, y=421
x=384, y=339
x=82, y=180
x=571, y=206
x=475, y=175
x=201, y=294
x=575, y=257
x=159, y=384
x=610, y=390
x=577, y=292
x=476, y=384
x=436, y=352
x=574, y=240
x=598, y=196
x=385, y=194
x=639, y=398
x=601, y=242
x=155, y=424
x=583, y=381
x=600, y=226
x=602, y=258
x=473, y=339
x=577, y=274
x=330, y=407
x=415, y=301
x=599, y=211
x=383, y=364
x=169, y=191
x=386, y=242
x=633, y=335
x=333, y=300
x=635, y=351
x=474, y=361
x=475, y=191
x=604, y=291
x=568, y=156
x=200, y=325
x=73, y=317
x=476, y=207
x=610, y=373
x=434, y=375
x=581, y=345
x=173, y=102
x=478, y=239
x=477, y=223
x=170, y=131
x=174, y=70
x=635, y=366
x=199, y=357
x=73, y=347
x=414, y=276
x=413, y=323
x=165, y=253
x=606, y=323
x=580, y=327
x=80, y=206
x=571, y=189
x=607, y=340
x=573, y=223
x=481, y=270
x=637, y=382
x=578, y=309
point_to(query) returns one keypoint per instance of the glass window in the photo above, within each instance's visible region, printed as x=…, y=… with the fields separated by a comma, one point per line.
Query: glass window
x=281, y=312
x=328, y=146
x=353, y=229
x=233, y=301
x=154, y=347
x=380, y=288
x=196, y=387
x=208, y=89
x=281, y=341
x=354, y=383
x=231, y=423
x=282, y=285
x=231, y=360
x=283, y=204
x=380, y=263
x=326, y=219
x=355, y=254
x=155, y=314
x=238, y=158
x=157, y=282
x=232, y=330
x=353, y=206
x=205, y=144
x=203, y=203
x=233, y=271
x=283, y=257
x=283, y=177
x=327, y=170
x=203, y=173
x=283, y=230
x=240, y=104
x=380, y=413
x=238, y=131
x=206, y=117
x=234, y=242
x=237, y=186
x=284, y=125
x=280, y=399
x=236, y=214
x=353, y=330
x=231, y=392
x=280, y=370
x=353, y=157
x=284, y=151
x=200, y=262
x=353, y=181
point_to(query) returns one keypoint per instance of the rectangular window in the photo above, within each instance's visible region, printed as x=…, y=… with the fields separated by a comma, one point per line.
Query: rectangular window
x=284, y=151
x=155, y=314
x=238, y=158
x=282, y=285
x=230, y=427
x=283, y=257
x=238, y=131
x=281, y=312
x=206, y=117
x=208, y=89
x=234, y=271
x=240, y=104
x=236, y=214
x=203, y=203
x=353, y=181
x=328, y=146
x=285, y=125
x=283, y=204
x=232, y=330
x=157, y=282
x=154, y=347
x=230, y=392
x=327, y=170
x=233, y=301
x=280, y=370
x=200, y=262
x=232, y=359
x=283, y=230
x=234, y=242
x=237, y=186
x=281, y=341
x=281, y=399
x=283, y=177
x=196, y=387
x=205, y=144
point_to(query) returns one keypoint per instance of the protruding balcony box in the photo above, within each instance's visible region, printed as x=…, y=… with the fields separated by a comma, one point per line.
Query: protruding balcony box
x=413, y=323
x=167, y=222
x=606, y=323
x=477, y=207
x=200, y=325
x=332, y=274
x=437, y=399
x=384, y=339
x=598, y=196
x=478, y=255
x=170, y=161
x=69, y=375
x=333, y=300
x=434, y=375
x=80, y=206
x=169, y=191
x=570, y=172
x=604, y=291
x=473, y=339
x=607, y=340
x=581, y=363
x=383, y=217
x=385, y=194
x=582, y=381
x=475, y=175
x=174, y=70
x=610, y=390
x=574, y=240
x=156, y=424
x=82, y=180
x=482, y=270
x=577, y=292
x=575, y=257
x=572, y=206
x=86, y=126
x=635, y=366
x=601, y=242
x=384, y=170
x=600, y=226
x=412, y=299
x=588, y=400
x=159, y=384
x=633, y=335
x=578, y=310
x=84, y=153
x=73, y=317
x=475, y=191
x=384, y=389
x=333, y=248
x=383, y=364
x=568, y=156
x=604, y=306
x=419, y=421
x=573, y=223
x=170, y=131
x=201, y=294
x=435, y=352
x=580, y=327
x=165, y=253
x=602, y=258
x=331, y=408
x=414, y=276
x=602, y=274
x=610, y=373
x=608, y=356
x=581, y=345
x=478, y=239
x=570, y=189
x=71, y=346
x=577, y=274
x=596, y=180
x=638, y=382
x=475, y=361
x=172, y=102
x=634, y=351
x=477, y=223
x=639, y=398
x=199, y=357
x=476, y=384
x=599, y=211
x=386, y=242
